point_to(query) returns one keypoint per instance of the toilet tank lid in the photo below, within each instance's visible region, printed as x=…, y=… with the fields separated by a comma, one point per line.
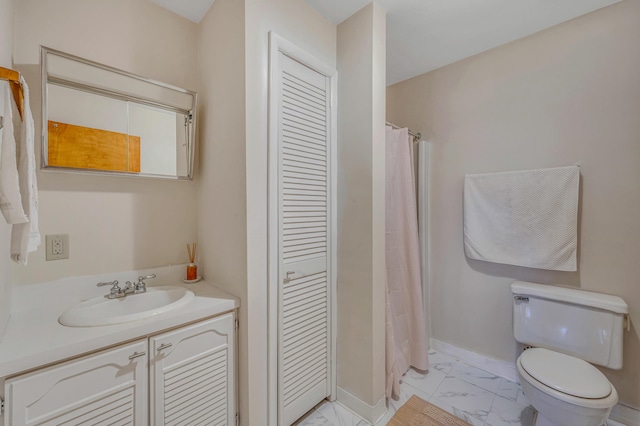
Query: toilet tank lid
x=578, y=297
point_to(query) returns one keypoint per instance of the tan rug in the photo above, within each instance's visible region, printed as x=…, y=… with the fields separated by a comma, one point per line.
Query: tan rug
x=418, y=412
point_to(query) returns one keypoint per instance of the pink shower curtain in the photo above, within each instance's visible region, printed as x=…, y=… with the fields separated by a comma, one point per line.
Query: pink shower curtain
x=406, y=337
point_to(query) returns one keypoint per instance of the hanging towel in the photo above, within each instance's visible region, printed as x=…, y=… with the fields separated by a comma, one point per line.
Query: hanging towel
x=10, y=199
x=25, y=237
x=524, y=218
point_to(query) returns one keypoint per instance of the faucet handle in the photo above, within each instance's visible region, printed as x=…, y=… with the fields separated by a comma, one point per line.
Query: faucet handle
x=113, y=283
x=115, y=291
x=141, y=286
x=146, y=277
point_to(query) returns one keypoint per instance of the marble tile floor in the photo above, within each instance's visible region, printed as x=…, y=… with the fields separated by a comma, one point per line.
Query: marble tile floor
x=477, y=396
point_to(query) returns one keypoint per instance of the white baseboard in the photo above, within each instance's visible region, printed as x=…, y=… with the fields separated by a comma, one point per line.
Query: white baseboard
x=621, y=412
x=625, y=414
x=498, y=367
x=371, y=413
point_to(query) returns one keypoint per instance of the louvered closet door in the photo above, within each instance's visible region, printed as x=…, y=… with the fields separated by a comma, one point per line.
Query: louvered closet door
x=304, y=352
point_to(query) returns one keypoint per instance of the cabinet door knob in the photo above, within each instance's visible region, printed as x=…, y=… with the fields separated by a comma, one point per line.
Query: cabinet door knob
x=137, y=355
x=164, y=346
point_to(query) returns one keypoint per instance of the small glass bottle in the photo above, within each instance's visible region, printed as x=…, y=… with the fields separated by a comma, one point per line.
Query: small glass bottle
x=192, y=271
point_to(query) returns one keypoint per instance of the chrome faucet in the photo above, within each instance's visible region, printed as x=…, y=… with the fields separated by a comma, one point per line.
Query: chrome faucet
x=129, y=288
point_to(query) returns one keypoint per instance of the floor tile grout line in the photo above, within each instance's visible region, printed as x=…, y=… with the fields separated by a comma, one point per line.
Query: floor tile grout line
x=495, y=395
x=447, y=375
x=420, y=390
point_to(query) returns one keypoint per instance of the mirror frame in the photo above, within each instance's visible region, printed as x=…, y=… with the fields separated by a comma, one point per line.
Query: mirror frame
x=114, y=94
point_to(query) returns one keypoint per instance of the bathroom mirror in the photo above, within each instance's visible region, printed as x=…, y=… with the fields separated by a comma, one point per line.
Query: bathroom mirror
x=98, y=119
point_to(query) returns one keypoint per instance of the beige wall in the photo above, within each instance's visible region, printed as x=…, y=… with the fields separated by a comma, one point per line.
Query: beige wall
x=6, y=268
x=133, y=35
x=566, y=95
x=114, y=224
x=222, y=211
x=361, y=207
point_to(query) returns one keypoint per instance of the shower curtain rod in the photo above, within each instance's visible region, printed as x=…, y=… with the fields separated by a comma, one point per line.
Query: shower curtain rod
x=416, y=136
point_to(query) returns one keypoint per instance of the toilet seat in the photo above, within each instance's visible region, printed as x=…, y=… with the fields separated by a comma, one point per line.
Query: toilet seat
x=566, y=374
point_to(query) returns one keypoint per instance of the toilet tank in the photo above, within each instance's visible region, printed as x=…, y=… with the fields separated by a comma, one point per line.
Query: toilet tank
x=580, y=323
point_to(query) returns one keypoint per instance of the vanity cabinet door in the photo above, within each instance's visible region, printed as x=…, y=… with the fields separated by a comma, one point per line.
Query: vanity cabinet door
x=106, y=388
x=192, y=374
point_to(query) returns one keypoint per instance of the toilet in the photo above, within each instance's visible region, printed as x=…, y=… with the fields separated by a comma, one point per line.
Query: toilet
x=565, y=331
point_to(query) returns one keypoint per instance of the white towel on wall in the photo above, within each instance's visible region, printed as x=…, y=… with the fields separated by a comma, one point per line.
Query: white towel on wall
x=25, y=237
x=525, y=218
x=10, y=199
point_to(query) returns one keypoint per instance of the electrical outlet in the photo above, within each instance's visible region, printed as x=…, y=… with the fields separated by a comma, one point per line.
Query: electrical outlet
x=57, y=246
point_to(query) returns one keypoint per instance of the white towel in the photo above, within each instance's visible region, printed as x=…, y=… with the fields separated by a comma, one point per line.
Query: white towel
x=10, y=199
x=25, y=237
x=524, y=218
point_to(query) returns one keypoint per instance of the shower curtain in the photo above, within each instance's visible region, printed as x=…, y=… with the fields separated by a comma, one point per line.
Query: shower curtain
x=406, y=337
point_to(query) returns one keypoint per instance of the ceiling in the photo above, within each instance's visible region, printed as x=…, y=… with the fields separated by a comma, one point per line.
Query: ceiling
x=423, y=35
x=193, y=10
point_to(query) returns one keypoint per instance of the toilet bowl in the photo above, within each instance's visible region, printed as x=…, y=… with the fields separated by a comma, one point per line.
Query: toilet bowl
x=566, y=331
x=566, y=391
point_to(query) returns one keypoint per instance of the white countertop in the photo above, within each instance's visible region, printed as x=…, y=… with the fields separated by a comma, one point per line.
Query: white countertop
x=34, y=337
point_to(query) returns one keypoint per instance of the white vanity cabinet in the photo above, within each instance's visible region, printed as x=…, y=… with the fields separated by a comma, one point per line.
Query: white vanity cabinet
x=106, y=388
x=192, y=374
x=184, y=376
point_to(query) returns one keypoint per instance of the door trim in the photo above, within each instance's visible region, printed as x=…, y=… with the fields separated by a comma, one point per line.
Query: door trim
x=278, y=44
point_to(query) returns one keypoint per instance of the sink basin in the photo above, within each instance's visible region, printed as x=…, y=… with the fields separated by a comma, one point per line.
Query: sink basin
x=104, y=311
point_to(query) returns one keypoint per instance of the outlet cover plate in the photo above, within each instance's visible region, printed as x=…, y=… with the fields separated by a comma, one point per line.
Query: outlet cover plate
x=57, y=246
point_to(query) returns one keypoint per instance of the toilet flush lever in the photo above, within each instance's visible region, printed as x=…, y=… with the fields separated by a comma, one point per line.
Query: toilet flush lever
x=627, y=322
x=519, y=298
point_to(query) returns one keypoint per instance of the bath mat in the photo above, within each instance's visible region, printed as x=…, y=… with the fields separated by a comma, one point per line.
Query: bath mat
x=418, y=412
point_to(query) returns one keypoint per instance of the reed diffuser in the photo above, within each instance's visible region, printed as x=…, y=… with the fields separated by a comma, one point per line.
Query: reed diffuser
x=192, y=268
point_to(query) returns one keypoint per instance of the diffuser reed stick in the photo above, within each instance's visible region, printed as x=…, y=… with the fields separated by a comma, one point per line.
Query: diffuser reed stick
x=192, y=269
x=191, y=250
